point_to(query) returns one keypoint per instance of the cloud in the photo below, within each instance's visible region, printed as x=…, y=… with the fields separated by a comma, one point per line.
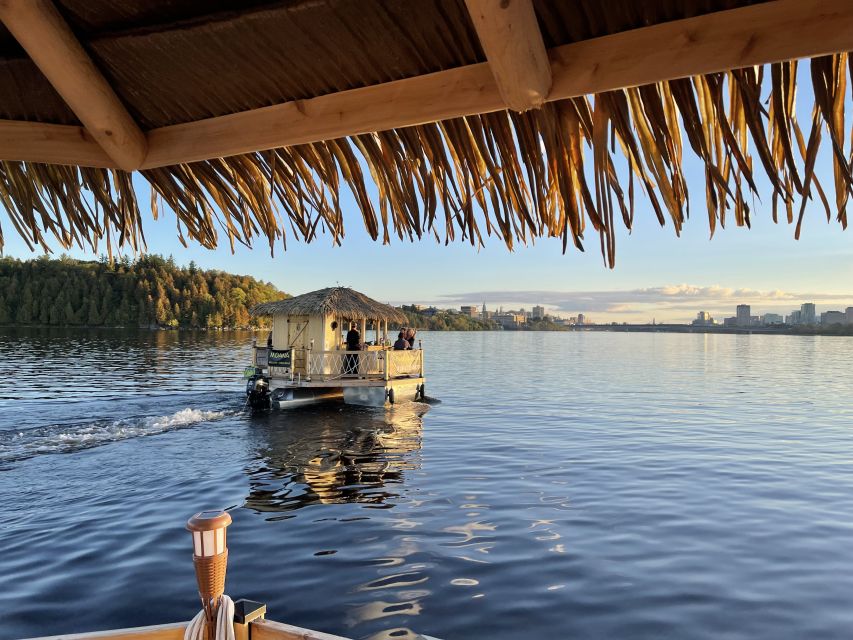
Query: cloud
x=675, y=302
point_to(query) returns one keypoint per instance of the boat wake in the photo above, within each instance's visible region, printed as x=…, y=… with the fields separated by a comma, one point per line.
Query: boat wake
x=16, y=445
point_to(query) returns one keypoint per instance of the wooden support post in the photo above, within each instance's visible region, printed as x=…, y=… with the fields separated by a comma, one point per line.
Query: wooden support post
x=363, y=340
x=245, y=612
x=49, y=41
x=511, y=39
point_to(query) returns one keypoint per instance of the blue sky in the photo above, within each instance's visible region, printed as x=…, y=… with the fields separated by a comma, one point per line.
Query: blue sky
x=657, y=275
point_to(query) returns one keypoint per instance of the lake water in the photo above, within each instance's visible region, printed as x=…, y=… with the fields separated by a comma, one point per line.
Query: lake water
x=569, y=485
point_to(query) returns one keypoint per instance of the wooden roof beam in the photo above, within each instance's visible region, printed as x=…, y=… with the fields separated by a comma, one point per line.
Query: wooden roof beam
x=510, y=36
x=49, y=41
x=51, y=143
x=759, y=34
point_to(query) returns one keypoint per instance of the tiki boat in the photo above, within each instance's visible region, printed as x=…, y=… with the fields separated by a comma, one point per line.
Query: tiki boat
x=308, y=361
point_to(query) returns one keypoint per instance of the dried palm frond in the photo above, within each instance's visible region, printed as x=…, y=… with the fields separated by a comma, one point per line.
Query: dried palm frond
x=336, y=301
x=546, y=173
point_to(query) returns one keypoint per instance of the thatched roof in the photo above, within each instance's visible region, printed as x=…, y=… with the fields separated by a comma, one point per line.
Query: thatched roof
x=247, y=118
x=341, y=302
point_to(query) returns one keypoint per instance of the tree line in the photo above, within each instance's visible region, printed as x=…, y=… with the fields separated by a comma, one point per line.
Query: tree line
x=445, y=321
x=151, y=292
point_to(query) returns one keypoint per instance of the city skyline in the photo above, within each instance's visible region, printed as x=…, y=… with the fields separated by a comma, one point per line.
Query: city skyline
x=671, y=304
x=807, y=314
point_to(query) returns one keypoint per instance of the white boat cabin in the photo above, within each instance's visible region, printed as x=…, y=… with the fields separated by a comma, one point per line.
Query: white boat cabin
x=309, y=359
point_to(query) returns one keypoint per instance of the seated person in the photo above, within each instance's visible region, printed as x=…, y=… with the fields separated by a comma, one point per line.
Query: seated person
x=401, y=344
x=410, y=337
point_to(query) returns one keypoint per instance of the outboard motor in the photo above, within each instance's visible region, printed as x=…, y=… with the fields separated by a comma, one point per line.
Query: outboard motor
x=258, y=392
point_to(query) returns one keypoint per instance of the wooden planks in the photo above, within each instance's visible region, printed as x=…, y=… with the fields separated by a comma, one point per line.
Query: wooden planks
x=767, y=32
x=270, y=630
x=44, y=34
x=174, y=631
x=510, y=37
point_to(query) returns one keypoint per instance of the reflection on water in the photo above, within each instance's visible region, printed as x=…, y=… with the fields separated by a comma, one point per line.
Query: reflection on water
x=320, y=457
x=328, y=455
x=607, y=486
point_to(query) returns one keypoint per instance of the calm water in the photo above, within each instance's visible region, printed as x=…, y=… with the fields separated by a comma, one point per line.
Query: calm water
x=569, y=485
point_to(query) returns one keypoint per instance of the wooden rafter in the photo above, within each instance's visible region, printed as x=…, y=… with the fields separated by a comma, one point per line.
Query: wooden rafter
x=51, y=143
x=49, y=41
x=764, y=33
x=510, y=36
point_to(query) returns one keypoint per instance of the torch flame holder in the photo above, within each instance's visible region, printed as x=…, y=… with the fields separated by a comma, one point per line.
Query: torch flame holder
x=210, y=573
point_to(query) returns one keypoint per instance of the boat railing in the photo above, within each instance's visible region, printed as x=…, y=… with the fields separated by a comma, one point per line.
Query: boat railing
x=313, y=365
x=407, y=363
x=335, y=365
x=373, y=364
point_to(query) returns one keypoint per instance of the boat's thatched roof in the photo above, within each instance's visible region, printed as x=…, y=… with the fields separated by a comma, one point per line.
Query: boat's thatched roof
x=424, y=143
x=341, y=302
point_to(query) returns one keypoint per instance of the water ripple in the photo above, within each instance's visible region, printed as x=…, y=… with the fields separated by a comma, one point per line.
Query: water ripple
x=569, y=485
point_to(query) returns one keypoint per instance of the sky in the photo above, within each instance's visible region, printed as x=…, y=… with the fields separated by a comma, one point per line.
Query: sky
x=657, y=276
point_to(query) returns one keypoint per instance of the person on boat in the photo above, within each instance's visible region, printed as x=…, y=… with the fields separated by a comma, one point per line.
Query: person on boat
x=401, y=344
x=410, y=337
x=353, y=344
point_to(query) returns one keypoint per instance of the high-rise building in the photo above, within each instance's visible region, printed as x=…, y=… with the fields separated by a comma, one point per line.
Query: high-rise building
x=703, y=319
x=538, y=313
x=848, y=313
x=794, y=318
x=772, y=318
x=581, y=318
x=832, y=317
x=807, y=313
x=468, y=310
x=743, y=315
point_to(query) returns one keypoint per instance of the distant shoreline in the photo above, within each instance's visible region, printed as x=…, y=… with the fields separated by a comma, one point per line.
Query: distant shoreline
x=835, y=330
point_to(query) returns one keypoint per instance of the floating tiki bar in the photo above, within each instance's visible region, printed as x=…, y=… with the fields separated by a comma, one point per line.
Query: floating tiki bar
x=309, y=360
x=450, y=119
x=523, y=119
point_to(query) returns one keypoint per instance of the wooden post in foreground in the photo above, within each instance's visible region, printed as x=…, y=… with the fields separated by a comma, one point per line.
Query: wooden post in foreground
x=245, y=611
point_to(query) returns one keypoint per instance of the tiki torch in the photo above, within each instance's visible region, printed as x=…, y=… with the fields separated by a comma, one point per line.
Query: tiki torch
x=210, y=557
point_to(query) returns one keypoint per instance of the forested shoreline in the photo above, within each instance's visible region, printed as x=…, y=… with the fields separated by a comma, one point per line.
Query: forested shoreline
x=150, y=292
